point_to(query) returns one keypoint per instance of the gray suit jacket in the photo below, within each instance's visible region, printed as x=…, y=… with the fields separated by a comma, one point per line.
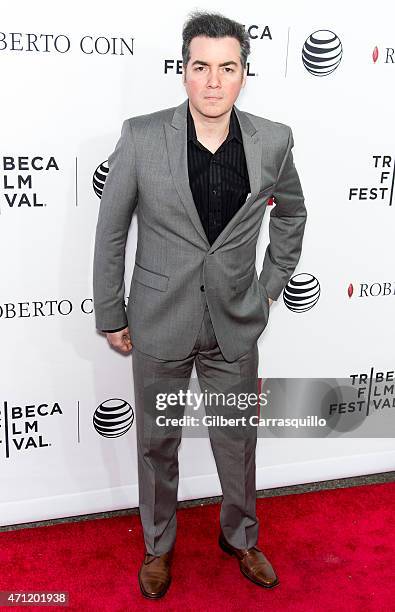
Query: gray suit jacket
x=175, y=266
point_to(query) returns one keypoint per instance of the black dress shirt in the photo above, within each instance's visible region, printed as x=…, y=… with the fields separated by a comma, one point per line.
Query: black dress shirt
x=219, y=181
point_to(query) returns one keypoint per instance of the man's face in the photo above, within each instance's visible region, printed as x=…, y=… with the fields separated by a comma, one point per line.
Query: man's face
x=214, y=75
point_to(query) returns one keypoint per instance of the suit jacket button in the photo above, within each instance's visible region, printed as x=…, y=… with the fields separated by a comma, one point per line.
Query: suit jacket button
x=201, y=287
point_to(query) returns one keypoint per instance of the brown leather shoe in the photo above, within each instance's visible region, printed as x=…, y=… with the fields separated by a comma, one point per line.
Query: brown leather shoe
x=154, y=574
x=253, y=563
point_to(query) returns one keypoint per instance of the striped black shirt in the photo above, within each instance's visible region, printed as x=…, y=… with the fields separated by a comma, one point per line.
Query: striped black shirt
x=219, y=181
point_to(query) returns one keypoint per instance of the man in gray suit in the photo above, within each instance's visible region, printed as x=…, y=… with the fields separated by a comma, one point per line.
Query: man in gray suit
x=199, y=176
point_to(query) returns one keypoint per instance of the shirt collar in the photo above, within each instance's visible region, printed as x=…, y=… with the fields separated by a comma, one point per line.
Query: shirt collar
x=234, y=127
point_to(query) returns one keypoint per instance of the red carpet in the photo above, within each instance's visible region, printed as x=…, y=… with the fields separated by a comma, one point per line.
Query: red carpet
x=332, y=550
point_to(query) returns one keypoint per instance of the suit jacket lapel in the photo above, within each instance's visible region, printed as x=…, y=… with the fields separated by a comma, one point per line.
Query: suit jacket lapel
x=176, y=141
x=252, y=142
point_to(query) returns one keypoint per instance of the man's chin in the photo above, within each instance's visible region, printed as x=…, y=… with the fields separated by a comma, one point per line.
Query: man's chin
x=213, y=110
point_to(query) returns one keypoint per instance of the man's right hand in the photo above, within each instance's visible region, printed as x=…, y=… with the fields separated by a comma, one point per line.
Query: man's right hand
x=120, y=340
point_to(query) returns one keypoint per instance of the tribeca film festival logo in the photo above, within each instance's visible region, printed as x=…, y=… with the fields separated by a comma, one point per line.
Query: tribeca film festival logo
x=384, y=191
x=372, y=393
x=18, y=172
x=175, y=67
x=371, y=290
x=61, y=43
x=113, y=418
x=322, y=53
x=302, y=292
x=20, y=426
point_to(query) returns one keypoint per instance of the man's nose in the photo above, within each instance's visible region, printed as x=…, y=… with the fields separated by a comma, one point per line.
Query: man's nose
x=213, y=80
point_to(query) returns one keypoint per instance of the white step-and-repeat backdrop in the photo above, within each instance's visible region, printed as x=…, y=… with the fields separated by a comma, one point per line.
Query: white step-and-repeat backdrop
x=70, y=75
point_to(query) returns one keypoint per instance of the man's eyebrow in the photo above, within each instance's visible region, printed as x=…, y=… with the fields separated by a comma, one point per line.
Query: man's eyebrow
x=230, y=63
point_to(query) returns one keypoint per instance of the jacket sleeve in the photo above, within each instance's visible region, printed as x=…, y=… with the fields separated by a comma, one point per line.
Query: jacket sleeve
x=286, y=227
x=118, y=201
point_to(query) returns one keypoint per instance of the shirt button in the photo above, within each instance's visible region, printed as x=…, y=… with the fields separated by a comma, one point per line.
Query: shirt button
x=201, y=287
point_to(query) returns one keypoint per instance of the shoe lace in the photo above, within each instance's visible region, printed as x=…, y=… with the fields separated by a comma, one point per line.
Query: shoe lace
x=148, y=560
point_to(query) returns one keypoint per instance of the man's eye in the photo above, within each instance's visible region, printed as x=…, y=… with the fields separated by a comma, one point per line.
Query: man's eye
x=200, y=68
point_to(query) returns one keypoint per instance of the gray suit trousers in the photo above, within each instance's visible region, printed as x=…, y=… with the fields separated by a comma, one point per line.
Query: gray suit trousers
x=233, y=447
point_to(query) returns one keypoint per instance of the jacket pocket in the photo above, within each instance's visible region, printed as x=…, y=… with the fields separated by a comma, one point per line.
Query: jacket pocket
x=243, y=282
x=150, y=278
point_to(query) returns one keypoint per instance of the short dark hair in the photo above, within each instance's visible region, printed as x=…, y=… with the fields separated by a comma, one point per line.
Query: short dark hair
x=213, y=25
